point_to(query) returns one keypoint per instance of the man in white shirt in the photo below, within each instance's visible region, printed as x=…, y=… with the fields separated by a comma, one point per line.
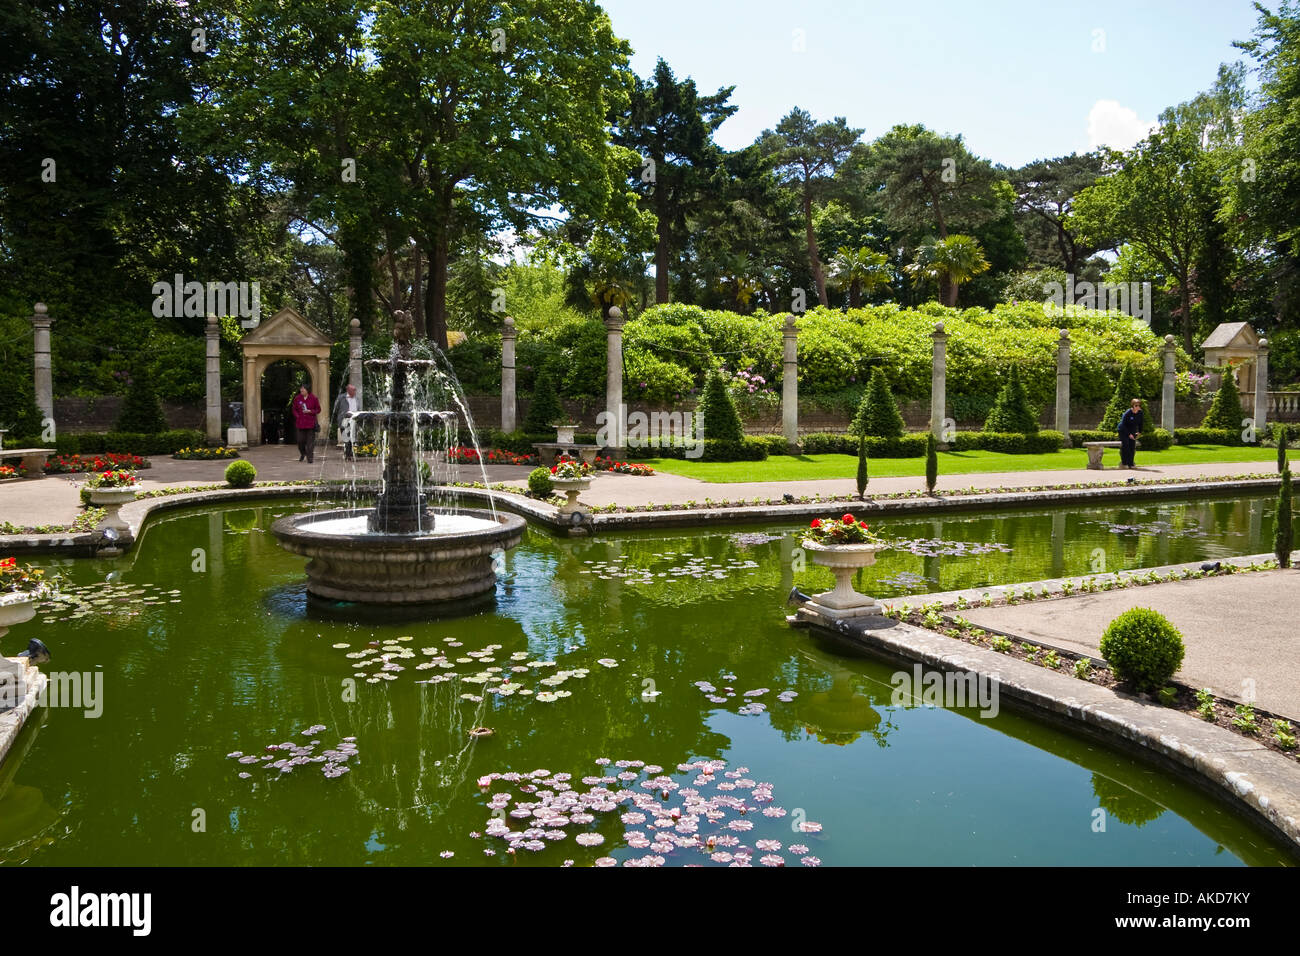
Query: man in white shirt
x=348, y=405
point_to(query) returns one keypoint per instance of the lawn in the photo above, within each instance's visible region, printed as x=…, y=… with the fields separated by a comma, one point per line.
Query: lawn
x=814, y=467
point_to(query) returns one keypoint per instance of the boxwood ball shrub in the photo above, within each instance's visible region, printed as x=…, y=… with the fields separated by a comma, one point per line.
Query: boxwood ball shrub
x=539, y=483
x=1143, y=648
x=240, y=473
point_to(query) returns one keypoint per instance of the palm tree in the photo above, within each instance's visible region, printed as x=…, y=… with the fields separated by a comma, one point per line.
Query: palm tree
x=950, y=262
x=862, y=270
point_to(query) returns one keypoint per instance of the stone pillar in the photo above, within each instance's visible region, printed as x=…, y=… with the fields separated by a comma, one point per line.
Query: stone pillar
x=509, y=400
x=354, y=357
x=41, y=320
x=1261, y=389
x=213, y=416
x=1063, y=386
x=252, y=402
x=326, y=413
x=938, y=381
x=1168, y=392
x=614, y=376
x=790, y=385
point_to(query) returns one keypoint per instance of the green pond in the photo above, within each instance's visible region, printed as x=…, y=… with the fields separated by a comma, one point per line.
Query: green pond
x=660, y=658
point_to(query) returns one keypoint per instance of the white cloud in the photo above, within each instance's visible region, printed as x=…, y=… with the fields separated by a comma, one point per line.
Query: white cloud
x=1116, y=126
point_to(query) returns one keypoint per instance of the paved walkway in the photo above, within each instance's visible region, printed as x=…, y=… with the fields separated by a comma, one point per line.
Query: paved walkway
x=1237, y=629
x=54, y=500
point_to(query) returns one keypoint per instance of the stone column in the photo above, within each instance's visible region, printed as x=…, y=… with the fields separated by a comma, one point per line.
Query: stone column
x=1063, y=386
x=252, y=402
x=509, y=400
x=354, y=357
x=41, y=320
x=213, y=416
x=938, y=381
x=1261, y=389
x=614, y=376
x=325, y=416
x=1168, y=392
x=790, y=385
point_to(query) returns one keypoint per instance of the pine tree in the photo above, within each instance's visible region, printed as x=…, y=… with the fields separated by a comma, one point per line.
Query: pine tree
x=544, y=410
x=1283, y=535
x=878, y=413
x=1011, y=411
x=718, y=411
x=862, y=467
x=1279, y=433
x=1126, y=389
x=1225, y=410
x=141, y=411
x=931, y=463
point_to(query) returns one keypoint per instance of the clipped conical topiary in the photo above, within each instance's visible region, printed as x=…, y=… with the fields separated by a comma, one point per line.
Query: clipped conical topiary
x=1225, y=409
x=1279, y=434
x=141, y=412
x=931, y=463
x=862, y=467
x=717, y=411
x=1011, y=411
x=544, y=409
x=878, y=413
x=1283, y=533
x=1126, y=389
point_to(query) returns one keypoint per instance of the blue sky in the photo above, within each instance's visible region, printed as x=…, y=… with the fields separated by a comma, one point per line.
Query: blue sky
x=1021, y=80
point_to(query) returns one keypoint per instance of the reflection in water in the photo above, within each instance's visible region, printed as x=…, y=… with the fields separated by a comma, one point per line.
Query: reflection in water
x=1125, y=805
x=24, y=813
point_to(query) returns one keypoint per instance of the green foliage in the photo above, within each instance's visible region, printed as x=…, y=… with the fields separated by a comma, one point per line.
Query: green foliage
x=862, y=477
x=1206, y=436
x=1245, y=719
x=539, y=483
x=1126, y=389
x=931, y=462
x=141, y=412
x=1283, y=532
x=718, y=413
x=1155, y=439
x=129, y=443
x=1225, y=410
x=544, y=410
x=240, y=474
x=1010, y=443
x=878, y=415
x=1168, y=696
x=1205, y=703
x=1279, y=436
x=1143, y=647
x=745, y=449
x=1011, y=411
x=830, y=443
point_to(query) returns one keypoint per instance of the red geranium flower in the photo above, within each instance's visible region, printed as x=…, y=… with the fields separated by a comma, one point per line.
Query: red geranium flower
x=847, y=519
x=816, y=523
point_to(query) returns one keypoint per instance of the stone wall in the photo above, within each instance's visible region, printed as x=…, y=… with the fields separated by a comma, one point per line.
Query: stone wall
x=100, y=413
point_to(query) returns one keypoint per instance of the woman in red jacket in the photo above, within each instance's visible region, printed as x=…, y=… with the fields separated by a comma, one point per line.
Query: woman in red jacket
x=305, y=409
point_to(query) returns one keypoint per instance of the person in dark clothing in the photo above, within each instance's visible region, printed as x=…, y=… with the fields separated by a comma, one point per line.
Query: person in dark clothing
x=306, y=407
x=1130, y=427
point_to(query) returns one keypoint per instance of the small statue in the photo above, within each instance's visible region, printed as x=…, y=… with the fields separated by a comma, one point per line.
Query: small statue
x=236, y=414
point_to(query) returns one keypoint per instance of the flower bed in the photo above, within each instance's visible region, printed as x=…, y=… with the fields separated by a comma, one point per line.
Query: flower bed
x=622, y=467
x=567, y=468
x=366, y=450
x=462, y=455
x=206, y=454
x=9, y=471
x=16, y=578
x=110, y=461
x=112, y=479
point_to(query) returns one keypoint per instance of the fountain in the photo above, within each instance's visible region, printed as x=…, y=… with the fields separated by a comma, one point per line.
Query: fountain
x=401, y=551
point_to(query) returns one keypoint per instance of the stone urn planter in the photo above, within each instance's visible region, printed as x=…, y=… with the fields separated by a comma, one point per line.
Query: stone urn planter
x=564, y=434
x=17, y=608
x=843, y=601
x=111, y=500
x=571, y=487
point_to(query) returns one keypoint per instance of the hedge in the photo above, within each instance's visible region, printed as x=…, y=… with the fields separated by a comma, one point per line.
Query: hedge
x=130, y=443
x=1157, y=439
x=1009, y=443
x=1207, y=436
x=715, y=449
x=828, y=443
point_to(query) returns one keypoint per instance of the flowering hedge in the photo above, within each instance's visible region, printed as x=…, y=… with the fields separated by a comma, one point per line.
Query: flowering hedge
x=462, y=455
x=71, y=464
x=622, y=467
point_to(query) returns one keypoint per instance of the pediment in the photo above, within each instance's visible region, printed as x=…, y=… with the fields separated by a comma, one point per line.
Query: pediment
x=286, y=328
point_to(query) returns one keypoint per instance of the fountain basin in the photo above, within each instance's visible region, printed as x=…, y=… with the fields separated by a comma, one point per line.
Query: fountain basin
x=349, y=563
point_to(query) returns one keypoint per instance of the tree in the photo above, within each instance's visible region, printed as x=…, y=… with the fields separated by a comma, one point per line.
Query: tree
x=878, y=413
x=670, y=125
x=1225, y=408
x=931, y=462
x=862, y=477
x=141, y=411
x=805, y=155
x=1126, y=389
x=1280, y=435
x=1283, y=534
x=1045, y=191
x=721, y=422
x=1155, y=198
x=1011, y=411
x=861, y=270
x=949, y=262
x=544, y=409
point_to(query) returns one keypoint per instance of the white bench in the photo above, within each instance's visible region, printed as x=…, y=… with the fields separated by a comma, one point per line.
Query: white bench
x=1095, y=450
x=33, y=459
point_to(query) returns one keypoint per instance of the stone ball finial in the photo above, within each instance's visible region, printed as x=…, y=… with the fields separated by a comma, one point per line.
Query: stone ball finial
x=938, y=327
x=1263, y=343
x=1169, y=340
x=615, y=312
x=508, y=322
x=355, y=326
x=40, y=308
x=790, y=322
x=1065, y=335
x=212, y=321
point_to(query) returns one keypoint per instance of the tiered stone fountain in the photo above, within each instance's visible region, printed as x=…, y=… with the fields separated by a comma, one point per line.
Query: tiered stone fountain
x=401, y=551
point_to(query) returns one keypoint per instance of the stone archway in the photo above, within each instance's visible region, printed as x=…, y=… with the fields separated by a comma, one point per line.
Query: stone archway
x=285, y=335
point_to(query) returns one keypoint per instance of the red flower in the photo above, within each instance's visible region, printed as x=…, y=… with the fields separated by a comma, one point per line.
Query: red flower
x=8, y=564
x=816, y=523
x=862, y=525
x=848, y=519
x=553, y=467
